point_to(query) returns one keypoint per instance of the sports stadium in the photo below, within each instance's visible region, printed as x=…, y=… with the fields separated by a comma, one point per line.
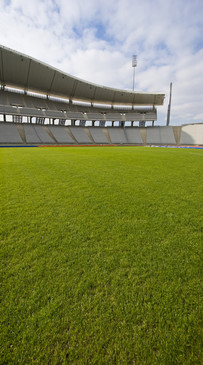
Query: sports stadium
x=100, y=247
x=46, y=106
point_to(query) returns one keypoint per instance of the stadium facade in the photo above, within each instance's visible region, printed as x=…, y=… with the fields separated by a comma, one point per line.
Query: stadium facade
x=42, y=105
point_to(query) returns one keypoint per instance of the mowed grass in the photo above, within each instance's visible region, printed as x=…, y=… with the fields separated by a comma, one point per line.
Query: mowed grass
x=100, y=255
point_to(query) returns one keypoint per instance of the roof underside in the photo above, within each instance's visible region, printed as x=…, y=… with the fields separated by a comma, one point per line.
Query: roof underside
x=21, y=71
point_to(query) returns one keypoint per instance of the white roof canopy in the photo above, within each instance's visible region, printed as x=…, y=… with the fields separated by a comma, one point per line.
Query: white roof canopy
x=21, y=71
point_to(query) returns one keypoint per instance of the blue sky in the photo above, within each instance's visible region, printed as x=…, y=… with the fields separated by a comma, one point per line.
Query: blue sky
x=95, y=40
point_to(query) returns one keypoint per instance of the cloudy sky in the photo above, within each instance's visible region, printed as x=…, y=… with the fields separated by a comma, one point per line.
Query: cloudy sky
x=95, y=40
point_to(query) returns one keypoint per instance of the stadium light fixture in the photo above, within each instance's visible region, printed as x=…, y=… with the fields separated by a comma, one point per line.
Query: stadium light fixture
x=134, y=64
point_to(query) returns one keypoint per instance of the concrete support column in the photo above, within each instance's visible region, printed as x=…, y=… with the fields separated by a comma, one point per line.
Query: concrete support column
x=62, y=121
x=102, y=123
x=142, y=123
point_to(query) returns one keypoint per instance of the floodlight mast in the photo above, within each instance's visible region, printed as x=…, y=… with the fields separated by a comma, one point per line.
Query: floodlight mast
x=134, y=64
x=169, y=106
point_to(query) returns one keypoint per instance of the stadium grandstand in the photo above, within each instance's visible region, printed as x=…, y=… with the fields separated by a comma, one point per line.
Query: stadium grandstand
x=42, y=105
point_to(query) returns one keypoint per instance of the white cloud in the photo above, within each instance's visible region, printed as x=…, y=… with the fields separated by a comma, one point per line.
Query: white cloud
x=95, y=40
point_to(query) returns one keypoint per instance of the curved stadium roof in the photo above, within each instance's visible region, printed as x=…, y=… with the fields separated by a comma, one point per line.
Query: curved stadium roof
x=19, y=70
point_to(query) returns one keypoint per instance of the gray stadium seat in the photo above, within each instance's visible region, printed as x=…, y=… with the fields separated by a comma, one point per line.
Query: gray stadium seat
x=36, y=134
x=80, y=134
x=133, y=135
x=117, y=135
x=9, y=133
x=30, y=134
x=53, y=114
x=98, y=135
x=31, y=112
x=42, y=134
x=160, y=135
x=61, y=134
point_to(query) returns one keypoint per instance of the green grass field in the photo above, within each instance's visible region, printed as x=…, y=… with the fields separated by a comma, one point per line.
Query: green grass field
x=100, y=255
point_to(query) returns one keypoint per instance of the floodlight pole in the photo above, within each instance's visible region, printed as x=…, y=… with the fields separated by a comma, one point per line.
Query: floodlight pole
x=134, y=64
x=169, y=106
x=133, y=78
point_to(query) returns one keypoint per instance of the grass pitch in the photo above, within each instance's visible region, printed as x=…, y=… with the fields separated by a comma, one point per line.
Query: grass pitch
x=100, y=255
